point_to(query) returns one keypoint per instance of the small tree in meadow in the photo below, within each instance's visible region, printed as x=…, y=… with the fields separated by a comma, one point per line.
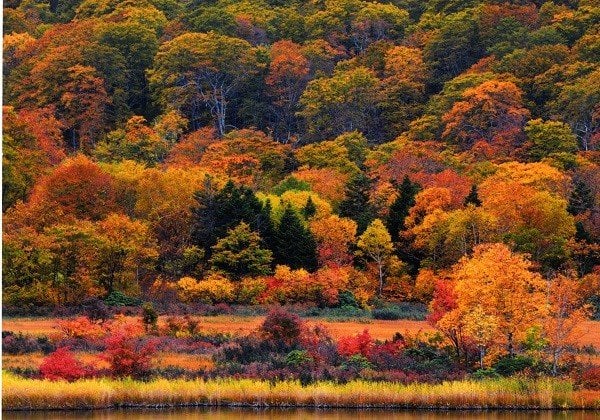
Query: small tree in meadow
x=62, y=365
x=129, y=355
x=282, y=326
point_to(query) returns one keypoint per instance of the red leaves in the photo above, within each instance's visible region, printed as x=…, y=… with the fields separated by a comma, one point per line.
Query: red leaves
x=129, y=355
x=361, y=343
x=62, y=365
x=282, y=326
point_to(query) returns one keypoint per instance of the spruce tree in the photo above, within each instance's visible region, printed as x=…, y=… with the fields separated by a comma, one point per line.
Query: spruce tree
x=309, y=209
x=399, y=209
x=473, y=197
x=294, y=244
x=218, y=212
x=356, y=205
x=581, y=199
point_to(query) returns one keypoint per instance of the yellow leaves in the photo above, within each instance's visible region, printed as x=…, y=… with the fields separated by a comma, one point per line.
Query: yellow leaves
x=297, y=199
x=405, y=64
x=538, y=175
x=502, y=283
x=375, y=242
x=215, y=288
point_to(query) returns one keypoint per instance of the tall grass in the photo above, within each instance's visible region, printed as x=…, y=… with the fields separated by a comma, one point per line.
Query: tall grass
x=27, y=394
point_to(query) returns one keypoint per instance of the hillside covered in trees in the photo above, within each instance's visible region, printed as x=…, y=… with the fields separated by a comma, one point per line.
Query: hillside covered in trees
x=327, y=153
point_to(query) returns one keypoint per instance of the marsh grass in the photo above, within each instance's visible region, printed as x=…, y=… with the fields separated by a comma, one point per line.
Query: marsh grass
x=27, y=394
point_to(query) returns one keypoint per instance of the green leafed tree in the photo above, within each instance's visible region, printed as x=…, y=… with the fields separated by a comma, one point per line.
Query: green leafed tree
x=239, y=253
x=197, y=70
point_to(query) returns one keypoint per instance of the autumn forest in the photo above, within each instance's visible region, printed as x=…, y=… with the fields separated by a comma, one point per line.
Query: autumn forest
x=169, y=163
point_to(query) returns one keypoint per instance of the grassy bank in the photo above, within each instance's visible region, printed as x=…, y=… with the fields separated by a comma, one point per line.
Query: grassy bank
x=27, y=394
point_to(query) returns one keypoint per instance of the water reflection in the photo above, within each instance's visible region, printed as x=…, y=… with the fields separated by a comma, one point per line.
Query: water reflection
x=300, y=414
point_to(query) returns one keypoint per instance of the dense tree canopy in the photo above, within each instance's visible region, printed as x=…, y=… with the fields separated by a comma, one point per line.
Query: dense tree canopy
x=338, y=152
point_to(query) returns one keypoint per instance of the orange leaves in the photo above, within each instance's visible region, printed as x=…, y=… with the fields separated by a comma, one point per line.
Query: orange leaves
x=291, y=286
x=503, y=285
x=487, y=112
x=189, y=150
x=78, y=188
x=247, y=156
x=327, y=182
x=288, y=72
x=334, y=235
x=81, y=327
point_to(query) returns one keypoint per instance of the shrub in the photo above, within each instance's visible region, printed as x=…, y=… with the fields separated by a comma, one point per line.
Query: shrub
x=117, y=298
x=347, y=298
x=282, y=326
x=357, y=362
x=149, y=316
x=62, y=365
x=387, y=314
x=214, y=289
x=81, y=327
x=589, y=378
x=384, y=355
x=129, y=355
x=487, y=373
x=298, y=358
x=23, y=344
x=250, y=289
x=95, y=309
x=358, y=344
x=404, y=310
x=509, y=365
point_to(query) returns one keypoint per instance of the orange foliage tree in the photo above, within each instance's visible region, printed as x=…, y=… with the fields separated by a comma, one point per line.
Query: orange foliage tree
x=492, y=112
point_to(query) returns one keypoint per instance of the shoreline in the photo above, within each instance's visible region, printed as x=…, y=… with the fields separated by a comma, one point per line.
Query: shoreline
x=21, y=394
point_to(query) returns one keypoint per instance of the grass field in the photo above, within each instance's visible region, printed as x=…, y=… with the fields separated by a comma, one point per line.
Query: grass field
x=236, y=325
x=26, y=394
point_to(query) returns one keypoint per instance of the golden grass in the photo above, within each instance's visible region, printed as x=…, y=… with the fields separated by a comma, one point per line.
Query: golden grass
x=237, y=325
x=19, y=393
x=192, y=362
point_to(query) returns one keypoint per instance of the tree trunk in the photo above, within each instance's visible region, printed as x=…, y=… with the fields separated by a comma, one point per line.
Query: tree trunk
x=511, y=350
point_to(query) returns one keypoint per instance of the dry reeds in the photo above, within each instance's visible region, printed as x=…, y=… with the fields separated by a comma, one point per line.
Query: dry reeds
x=27, y=394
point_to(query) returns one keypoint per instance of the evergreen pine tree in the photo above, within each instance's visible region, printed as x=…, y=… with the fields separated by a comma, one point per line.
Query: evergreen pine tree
x=473, y=197
x=356, y=205
x=581, y=200
x=309, y=209
x=218, y=212
x=399, y=209
x=265, y=226
x=294, y=244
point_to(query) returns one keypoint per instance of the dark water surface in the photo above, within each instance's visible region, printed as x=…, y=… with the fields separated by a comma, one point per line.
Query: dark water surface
x=298, y=414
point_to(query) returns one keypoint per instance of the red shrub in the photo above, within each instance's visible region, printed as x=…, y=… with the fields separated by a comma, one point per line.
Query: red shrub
x=590, y=378
x=62, y=365
x=359, y=344
x=282, y=326
x=129, y=355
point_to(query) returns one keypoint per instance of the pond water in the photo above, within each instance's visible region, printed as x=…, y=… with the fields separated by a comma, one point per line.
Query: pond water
x=298, y=414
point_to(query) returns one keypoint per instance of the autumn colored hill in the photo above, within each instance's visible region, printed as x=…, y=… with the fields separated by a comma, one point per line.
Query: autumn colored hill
x=337, y=153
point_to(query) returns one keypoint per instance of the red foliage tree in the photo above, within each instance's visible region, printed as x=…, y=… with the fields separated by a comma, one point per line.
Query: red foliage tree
x=129, y=355
x=62, y=365
x=282, y=326
x=361, y=343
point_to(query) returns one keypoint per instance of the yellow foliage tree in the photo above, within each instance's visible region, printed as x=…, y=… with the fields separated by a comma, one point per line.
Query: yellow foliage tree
x=504, y=286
